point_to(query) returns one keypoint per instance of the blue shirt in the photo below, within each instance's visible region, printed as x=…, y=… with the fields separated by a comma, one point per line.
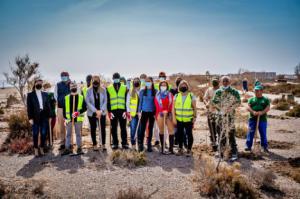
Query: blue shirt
x=146, y=102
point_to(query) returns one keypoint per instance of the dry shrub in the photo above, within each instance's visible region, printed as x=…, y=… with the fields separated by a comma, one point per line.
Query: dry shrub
x=227, y=183
x=294, y=112
x=241, y=131
x=201, y=149
x=1, y=111
x=21, y=146
x=282, y=106
x=15, y=188
x=11, y=100
x=19, y=140
x=289, y=168
x=283, y=88
x=131, y=194
x=129, y=159
x=273, y=144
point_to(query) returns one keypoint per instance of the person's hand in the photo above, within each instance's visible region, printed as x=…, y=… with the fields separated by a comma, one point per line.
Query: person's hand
x=255, y=113
x=98, y=113
x=174, y=121
x=124, y=115
x=129, y=116
x=31, y=121
x=259, y=113
x=111, y=116
x=75, y=114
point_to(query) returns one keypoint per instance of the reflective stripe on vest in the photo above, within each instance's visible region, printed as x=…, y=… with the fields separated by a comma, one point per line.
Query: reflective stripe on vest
x=80, y=118
x=184, y=112
x=117, y=101
x=133, y=105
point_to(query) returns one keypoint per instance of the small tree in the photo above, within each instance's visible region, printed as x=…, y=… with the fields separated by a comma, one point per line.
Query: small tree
x=22, y=74
x=297, y=71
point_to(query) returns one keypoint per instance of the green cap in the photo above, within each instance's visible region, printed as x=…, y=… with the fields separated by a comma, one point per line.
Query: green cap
x=258, y=87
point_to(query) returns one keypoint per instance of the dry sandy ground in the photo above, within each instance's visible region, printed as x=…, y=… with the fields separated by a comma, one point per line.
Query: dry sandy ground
x=92, y=175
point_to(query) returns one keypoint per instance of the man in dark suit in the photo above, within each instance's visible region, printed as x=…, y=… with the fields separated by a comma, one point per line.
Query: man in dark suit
x=38, y=109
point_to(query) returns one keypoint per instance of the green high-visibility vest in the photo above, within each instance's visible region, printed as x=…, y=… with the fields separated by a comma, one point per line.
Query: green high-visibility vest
x=80, y=118
x=184, y=112
x=117, y=100
x=84, y=91
x=133, y=105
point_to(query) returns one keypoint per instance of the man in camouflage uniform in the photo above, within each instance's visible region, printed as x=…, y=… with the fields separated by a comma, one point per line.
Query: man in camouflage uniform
x=226, y=100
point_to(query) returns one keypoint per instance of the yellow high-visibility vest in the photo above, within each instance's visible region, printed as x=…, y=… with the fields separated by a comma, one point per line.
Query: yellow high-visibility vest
x=133, y=105
x=184, y=112
x=84, y=91
x=117, y=100
x=80, y=118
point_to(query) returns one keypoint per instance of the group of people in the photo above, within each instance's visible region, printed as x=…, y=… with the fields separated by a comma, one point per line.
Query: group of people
x=152, y=109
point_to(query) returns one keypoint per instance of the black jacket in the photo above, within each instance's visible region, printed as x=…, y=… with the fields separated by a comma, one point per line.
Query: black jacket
x=33, y=107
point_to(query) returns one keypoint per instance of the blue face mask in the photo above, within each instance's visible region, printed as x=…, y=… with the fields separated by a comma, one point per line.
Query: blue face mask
x=116, y=81
x=148, y=84
x=64, y=78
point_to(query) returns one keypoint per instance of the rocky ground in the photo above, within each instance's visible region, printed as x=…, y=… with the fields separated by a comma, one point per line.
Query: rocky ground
x=93, y=175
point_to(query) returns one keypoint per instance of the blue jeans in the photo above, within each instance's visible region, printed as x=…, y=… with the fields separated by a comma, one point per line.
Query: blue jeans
x=41, y=128
x=262, y=128
x=133, y=126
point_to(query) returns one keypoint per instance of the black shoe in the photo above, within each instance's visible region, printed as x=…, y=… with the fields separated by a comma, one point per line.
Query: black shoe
x=156, y=143
x=266, y=150
x=66, y=152
x=247, y=149
x=62, y=147
x=215, y=148
x=149, y=149
x=141, y=148
x=171, y=141
x=114, y=147
x=125, y=147
x=161, y=137
x=79, y=150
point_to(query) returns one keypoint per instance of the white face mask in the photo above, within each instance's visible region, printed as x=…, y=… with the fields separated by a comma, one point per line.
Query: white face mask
x=226, y=87
x=163, y=88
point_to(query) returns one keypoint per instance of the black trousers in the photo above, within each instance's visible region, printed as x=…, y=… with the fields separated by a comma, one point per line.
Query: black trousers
x=146, y=117
x=188, y=128
x=93, y=123
x=118, y=118
x=214, y=128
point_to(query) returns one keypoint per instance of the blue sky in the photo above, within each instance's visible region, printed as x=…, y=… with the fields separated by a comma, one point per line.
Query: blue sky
x=135, y=36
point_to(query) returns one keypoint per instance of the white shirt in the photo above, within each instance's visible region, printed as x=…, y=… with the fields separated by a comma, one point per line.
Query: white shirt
x=208, y=96
x=40, y=98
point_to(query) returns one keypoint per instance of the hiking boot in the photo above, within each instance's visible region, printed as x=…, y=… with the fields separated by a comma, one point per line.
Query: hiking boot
x=149, y=148
x=66, y=152
x=125, y=147
x=179, y=152
x=156, y=143
x=247, y=149
x=36, y=152
x=79, y=150
x=266, y=150
x=234, y=157
x=42, y=151
x=62, y=147
x=141, y=148
x=95, y=148
x=188, y=153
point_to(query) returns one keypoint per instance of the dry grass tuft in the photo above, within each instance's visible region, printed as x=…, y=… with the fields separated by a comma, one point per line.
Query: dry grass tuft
x=201, y=149
x=294, y=112
x=131, y=194
x=129, y=159
x=227, y=183
x=241, y=131
x=250, y=156
x=11, y=100
x=21, y=146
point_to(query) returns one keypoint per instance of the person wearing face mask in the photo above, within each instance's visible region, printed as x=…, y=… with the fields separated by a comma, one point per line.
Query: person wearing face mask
x=38, y=110
x=162, y=77
x=174, y=91
x=96, y=101
x=116, y=107
x=143, y=80
x=62, y=89
x=146, y=113
x=88, y=85
x=132, y=105
x=184, y=116
x=77, y=115
x=226, y=100
x=211, y=113
x=163, y=103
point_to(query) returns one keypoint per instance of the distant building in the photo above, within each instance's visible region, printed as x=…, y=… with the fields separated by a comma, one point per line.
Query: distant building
x=260, y=75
